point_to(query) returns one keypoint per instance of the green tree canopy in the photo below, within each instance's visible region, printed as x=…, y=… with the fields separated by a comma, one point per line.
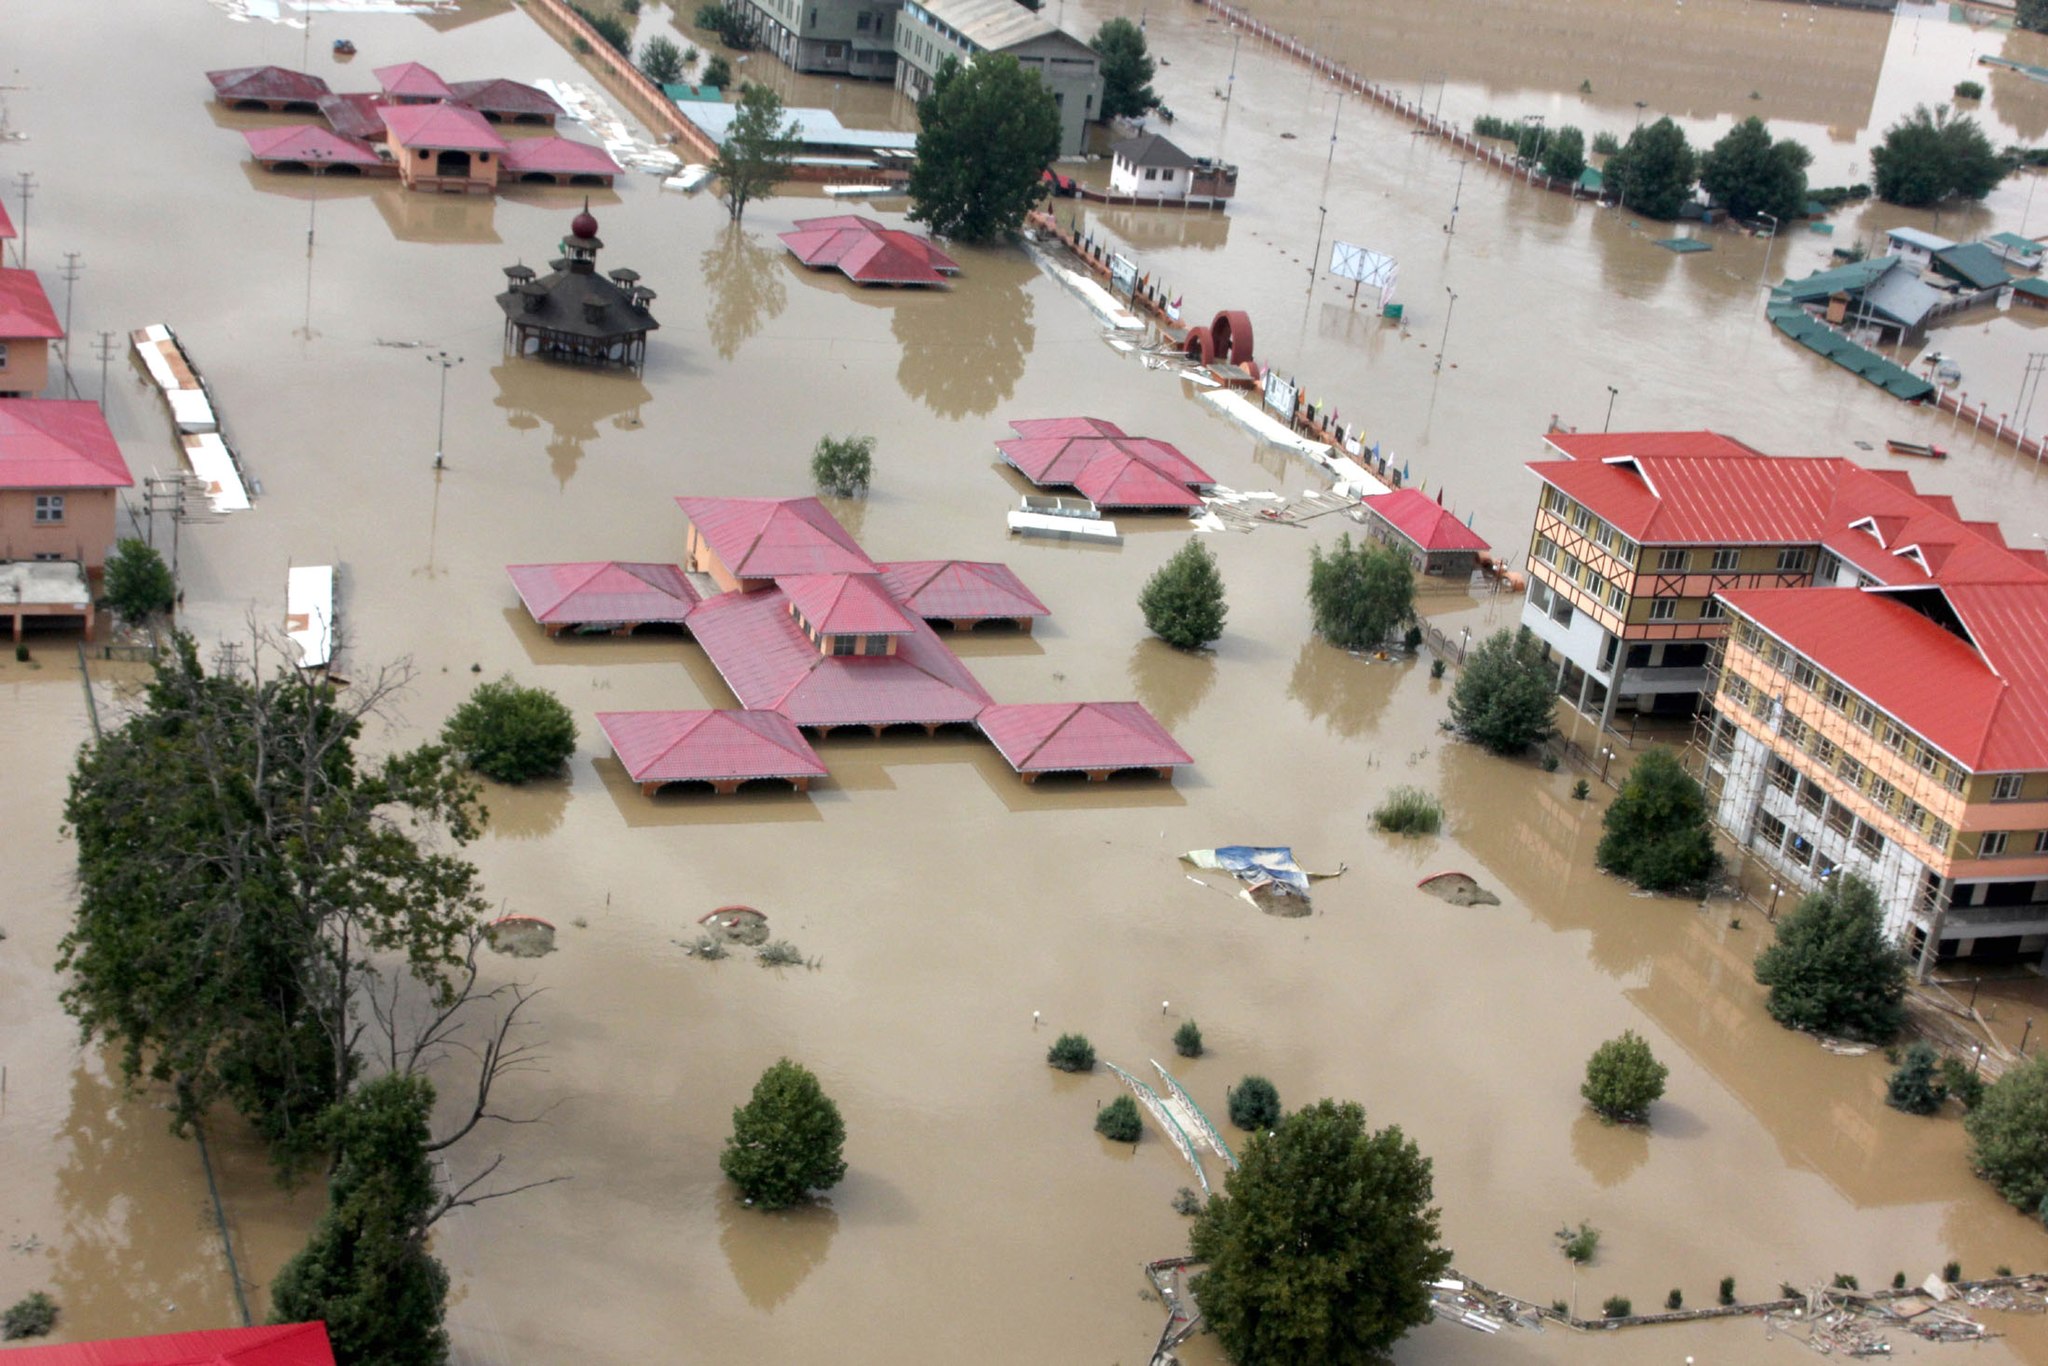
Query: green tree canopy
x=1932, y=155
x=1563, y=154
x=511, y=733
x=661, y=61
x=2033, y=14
x=786, y=1141
x=1254, y=1103
x=717, y=74
x=366, y=1271
x=138, y=583
x=1322, y=1244
x=986, y=133
x=1183, y=602
x=1126, y=70
x=1654, y=170
x=759, y=145
x=1831, y=971
x=1657, y=834
x=1916, y=1085
x=843, y=466
x=2008, y=1131
x=1359, y=592
x=1753, y=175
x=1624, y=1079
x=1504, y=698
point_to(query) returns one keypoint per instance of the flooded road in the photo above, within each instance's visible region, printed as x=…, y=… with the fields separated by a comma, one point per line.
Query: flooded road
x=981, y=1216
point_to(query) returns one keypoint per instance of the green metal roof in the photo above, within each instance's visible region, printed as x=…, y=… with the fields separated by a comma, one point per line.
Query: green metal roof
x=1857, y=275
x=1858, y=360
x=2032, y=287
x=1591, y=179
x=1684, y=244
x=1974, y=264
x=679, y=94
x=2012, y=241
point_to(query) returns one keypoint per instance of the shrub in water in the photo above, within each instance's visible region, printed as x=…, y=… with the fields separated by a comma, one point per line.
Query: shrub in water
x=1962, y=1083
x=1409, y=811
x=1436, y=668
x=511, y=733
x=1254, y=1104
x=1185, y=1201
x=1183, y=602
x=1616, y=1307
x=1072, y=1053
x=1916, y=1087
x=1581, y=790
x=1951, y=1272
x=1187, y=1040
x=31, y=1316
x=1898, y=1280
x=1578, y=1244
x=1118, y=1121
x=1844, y=1281
x=1727, y=1290
x=780, y=954
x=1675, y=1301
x=843, y=465
x=1623, y=1079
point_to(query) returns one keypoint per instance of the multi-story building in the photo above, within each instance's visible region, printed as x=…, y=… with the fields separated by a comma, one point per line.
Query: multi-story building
x=930, y=31
x=836, y=37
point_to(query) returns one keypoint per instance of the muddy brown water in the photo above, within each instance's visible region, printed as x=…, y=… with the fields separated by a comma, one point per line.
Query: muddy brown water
x=981, y=1216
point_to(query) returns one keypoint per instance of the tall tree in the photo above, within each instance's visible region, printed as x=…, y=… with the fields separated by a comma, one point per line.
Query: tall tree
x=786, y=1141
x=138, y=582
x=661, y=61
x=1831, y=969
x=1183, y=602
x=986, y=134
x=1126, y=70
x=1504, y=698
x=1656, y=833
x=1931, y=155
x=2008, y=1131
x=1321, y=1247
x=1624, y=1079
x=1654, y=170
x=758, y=147
x=1358, y=593
x=1753, y=175
x=1563, y=154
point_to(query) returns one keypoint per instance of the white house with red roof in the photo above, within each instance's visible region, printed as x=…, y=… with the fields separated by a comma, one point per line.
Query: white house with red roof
x=1426, y=532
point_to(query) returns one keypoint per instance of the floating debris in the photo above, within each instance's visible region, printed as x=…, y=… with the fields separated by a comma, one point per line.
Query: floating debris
x=737, y=925
x=521, y=936
x=1274, y=882
x=1460, y=889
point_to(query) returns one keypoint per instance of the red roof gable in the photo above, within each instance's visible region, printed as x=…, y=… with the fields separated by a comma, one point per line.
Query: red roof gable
x=266, y=83
x=55, y=443
x=440, y=127
x=312, y=145
x=557, y=156
x=960, y=590
x=767, y=538
x=770, y=666
x=844, y=604
x=354, y=115
x=867, y=252
x=1126, y=471
x=500, y=96
x=1065, y=426
x=1424, y=521
x=1068, y=737
x=6, y=224
x=413, y=81
x=708, y=746
x=1117, y=480
x=25, y=311
x=290, y=1344
x=603, y=591
x=1874, y=520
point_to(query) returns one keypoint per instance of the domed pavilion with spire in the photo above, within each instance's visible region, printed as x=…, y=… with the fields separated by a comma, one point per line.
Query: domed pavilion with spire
x=574, y=313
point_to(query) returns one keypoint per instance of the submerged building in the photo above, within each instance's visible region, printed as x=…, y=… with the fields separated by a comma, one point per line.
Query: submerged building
x=575, y=314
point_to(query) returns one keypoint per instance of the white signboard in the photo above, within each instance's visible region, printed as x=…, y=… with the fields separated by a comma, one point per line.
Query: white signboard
x=1351, y=262
x=1281, y=394
x=1123, y=275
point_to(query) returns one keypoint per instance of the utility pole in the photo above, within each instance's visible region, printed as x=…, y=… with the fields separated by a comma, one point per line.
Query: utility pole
x=1332, y=159
x=1612, y=394
x=1447, y=329
x=72, y=270
x=447, y=363
x=1456, y=195
x=25, y=181
x=106, y=346
x=1316, y=256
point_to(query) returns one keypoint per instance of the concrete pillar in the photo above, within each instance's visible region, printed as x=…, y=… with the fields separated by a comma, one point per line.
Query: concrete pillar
x=801, y=784
x=1098, y=775
x=1613, y=696
x=1585, y=687
x=725, y=787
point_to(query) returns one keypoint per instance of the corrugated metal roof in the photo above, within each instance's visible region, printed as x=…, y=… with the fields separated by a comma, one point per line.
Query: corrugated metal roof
x=6, y=224
x=1720, y=499
x=708, y=746
x=1425, y=521
x=844, y=604
x=994, y=25
x=1065, y=426
x=1916, y=237
x=501, y=96
x=58, y=443
x=1856, y=275
x=557, y=156
x=1150, y=149
x=440, y=127
x=1974, y=264
x=603, y=591
x=312, y=145
x=1114, y=479
x=1104, y=463
x=413, y=81
x=25, y=312
x=1601, y=445
x=961, y=590
x=354, y=115
x=766, y=538
x=266, y=83
x=1072, y=737
x=290, y=1344
x=867, y=252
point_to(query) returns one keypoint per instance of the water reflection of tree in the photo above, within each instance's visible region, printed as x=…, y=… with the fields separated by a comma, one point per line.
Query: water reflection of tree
x=954, y=367
x=743, y=279
x=528, y=811
x=771, y=1254
x=1347, y=695
x=1609, y=1153
x=1171, y=683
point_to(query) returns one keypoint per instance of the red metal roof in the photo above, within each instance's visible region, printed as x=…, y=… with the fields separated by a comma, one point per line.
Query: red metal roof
x=1112, y=471
x=290, y=1344
x=1875, y=521
x=1725, y=498
x=266, y=83
x=1424, y=521
x=1118, y=480
x=1068, y=737
x=6, y=224
x=501, y=96
x=767, y=538
x=56, y=443
x=557, y=156
x=603, y=591
x=770, y=666
x=961, y=590
x=440, y=127
x=354, y=115
x=413, y=81
x=311, y=144
x=25, y=310
x=1601, y=445
x=708, y=746
x=844, y=604
x=867, y=252
x=1065, y=426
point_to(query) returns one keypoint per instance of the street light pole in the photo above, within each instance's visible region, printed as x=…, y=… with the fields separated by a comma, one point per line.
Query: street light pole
x=1769, y=242
x=1608, y=421
x=1447, y=329
x=447, y=363
x=1456, y=196
x=1322, y=218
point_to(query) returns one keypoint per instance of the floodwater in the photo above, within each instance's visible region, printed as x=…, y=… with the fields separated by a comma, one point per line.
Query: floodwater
x=981, y=1216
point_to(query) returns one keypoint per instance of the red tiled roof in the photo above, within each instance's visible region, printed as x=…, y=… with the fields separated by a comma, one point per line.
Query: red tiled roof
x=440, y=127
x=1067, y=737
x=557, y=156
x=313, y=145
x=1125, y=471
x=1601, y=445
x=354, y=115
x=1118, y=480
x=266, y=83
x=769, y=666
x=500, y=96
x=55, y=443
x=1065, y=426
x=603, y=591
x=413, y=81
x=25, y=310
x=708, y=746
x=1424, y=521
x=844, y=604
x=867, y=252
x=766, y=538
x=960, y=590
x=290, y=1344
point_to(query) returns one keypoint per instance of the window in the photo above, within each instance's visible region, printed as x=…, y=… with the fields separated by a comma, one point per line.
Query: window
x=2007, y=787
x=1812, y=798
x=1839, y=820
x=1894, y=739
x=1725, y=561
x=1912, y=813
x=1805, y=675
x=1739, y=689
x=1780, y=774
x=49, y=509
x=1546, y=550
x=1860, y=712
x=1827, y=570
x=874, y=645
x=1824, y=750
x=1572, y=567
x=1539, y=594
x=1952, y=777
x=1673, y=561
x=1835, y=695
x=844, y=645
x=1883, y=793
x=1770, y=830
x=2041, y=841
x=1793, y=559
x=1993, y=844
x=1151, y=173
x=1596, y=584
x=3, y=355
x=1711, y=610
x=1724, y=738
x=1561, y=612
x=1868, y=842
x=1582, y=517
x=1793, y=729
x=861, y=21
x=1617, y=598
x=1851, y=772
x=1939, y=835
x=1663, y=609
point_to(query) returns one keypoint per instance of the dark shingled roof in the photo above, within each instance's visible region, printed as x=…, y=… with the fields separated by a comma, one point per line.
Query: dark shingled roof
x=500, y=96
x=563, y=293
x=266, y=83
x=1150, y=149
x=354, y=115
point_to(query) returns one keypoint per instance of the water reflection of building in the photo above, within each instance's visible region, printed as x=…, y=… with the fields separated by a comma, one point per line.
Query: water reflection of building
x=572, y=404
x=1157, y=229
x=436, y=217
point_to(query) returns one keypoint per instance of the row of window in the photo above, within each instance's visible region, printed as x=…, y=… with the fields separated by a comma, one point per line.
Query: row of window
x=1594, y=528
x=1809, y=793
x=1578, y=572
x=1859, y=713
x=1997, y=843
x=1775, y=834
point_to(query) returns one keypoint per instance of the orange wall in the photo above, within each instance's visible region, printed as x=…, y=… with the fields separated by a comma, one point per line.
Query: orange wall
x=27, y=368
x=87, y=530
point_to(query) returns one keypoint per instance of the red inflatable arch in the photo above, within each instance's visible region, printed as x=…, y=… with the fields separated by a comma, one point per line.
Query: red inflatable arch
x=1228, y=337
